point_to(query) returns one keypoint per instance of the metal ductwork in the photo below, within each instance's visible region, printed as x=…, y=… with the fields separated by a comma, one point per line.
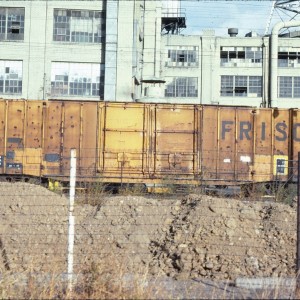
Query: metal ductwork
x=233, y=32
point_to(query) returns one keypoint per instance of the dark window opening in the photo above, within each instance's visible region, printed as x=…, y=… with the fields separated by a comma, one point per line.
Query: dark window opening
x=224, y=54
x=232, y=54
x=15, y=27
x=282, y=55
x=240, y=91
x=292, y=55
x=241, y=54
x=181, y=58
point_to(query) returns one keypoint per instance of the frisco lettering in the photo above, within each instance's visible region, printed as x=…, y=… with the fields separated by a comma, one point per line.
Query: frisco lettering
x=245, y=130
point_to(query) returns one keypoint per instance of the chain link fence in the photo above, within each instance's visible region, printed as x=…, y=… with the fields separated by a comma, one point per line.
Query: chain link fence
x=133, y=245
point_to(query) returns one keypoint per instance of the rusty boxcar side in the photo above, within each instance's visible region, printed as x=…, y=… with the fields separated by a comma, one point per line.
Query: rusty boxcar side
x=148, y=143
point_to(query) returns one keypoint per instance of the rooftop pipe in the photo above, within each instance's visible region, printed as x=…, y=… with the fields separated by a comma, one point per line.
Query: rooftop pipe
x=274, y=59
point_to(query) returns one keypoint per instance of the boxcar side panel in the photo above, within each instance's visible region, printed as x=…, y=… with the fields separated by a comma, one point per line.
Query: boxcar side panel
x=3, y=121
x=227, y=144
x=33, y=138
x=295, y=146
x=16, y=111
x=209, y=129
x=123, y=134
x=245, y=143
x=52, y=152
x=261, y=169
x=71, y=132
x=88, y=142
x=174, y=141
x=281, y=149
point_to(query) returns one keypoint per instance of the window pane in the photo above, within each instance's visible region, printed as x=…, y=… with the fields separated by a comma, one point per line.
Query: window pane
x=182, y=57
x=250, y=56
x=192, y=87
x=227, y=86
x=192, y=56
x=11, y=77
x=81, y=26
x=170, y=89
x=12, y=23
x=296, y=87
x=285, y=87
x=241, y=86
x=75, y=79
x=182, y=87
x=255, y=85
x=2, y=23
x=61, y=28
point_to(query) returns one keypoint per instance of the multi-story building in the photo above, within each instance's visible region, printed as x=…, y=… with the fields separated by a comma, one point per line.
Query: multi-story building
x=70, y=49
x=110, y=50
x=232, y=70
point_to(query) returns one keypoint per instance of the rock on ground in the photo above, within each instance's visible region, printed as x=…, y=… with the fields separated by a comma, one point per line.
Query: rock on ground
x=195, y=236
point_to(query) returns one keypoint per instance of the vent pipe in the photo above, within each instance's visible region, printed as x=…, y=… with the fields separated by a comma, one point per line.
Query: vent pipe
x=274, y=59
x=233, y=32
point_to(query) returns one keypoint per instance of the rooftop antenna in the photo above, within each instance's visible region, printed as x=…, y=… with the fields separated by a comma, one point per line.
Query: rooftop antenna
x=290, y=9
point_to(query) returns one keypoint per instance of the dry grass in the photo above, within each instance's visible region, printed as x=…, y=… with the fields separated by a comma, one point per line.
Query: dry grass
x=105, y=280
x=108, y=280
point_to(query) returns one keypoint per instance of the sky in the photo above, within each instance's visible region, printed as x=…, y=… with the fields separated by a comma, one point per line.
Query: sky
x=246, y=15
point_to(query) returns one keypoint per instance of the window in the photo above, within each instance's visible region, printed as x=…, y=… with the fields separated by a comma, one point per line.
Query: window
x=182, y=87
x=286, y=87
x=289, y=87
x=241, y=86
x=240, y=89
x=182, y=56
x=255, y=86
x=288, y=57
x=227, y=86
x=240, y=56
x=81, y=26
x=10, y=77
x=297, y=87
x=12, y=23
x=77, y=79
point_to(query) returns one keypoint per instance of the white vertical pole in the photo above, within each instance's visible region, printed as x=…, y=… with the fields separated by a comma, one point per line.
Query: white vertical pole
x=71, y=231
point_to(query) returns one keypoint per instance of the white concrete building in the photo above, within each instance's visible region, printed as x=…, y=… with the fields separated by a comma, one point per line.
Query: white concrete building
x=110, y=50
x=63, y=49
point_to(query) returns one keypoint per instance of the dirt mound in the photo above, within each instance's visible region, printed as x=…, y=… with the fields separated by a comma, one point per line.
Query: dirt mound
x=227, y=238
x=33, y=227
x=196, y=236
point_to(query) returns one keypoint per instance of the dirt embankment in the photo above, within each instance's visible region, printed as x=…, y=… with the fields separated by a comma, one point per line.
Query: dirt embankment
x=195, y=236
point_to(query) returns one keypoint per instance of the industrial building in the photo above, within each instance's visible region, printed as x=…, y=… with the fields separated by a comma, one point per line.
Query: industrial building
x=136, y=51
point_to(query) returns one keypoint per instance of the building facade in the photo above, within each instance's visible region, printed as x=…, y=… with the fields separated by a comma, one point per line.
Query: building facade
x=63, y=49
x=111, y=50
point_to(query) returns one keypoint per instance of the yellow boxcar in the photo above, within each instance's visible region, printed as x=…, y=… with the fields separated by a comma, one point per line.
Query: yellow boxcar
x=148, y=143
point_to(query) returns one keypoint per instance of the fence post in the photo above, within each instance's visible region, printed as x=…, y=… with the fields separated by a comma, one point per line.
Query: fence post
x=71, y=229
